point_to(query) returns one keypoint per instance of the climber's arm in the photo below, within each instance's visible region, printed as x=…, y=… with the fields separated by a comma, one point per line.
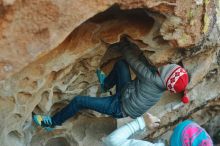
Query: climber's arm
x=134, y=57
x=120, y=137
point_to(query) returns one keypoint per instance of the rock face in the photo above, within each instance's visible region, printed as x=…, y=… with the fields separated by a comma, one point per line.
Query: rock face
x=51, y=49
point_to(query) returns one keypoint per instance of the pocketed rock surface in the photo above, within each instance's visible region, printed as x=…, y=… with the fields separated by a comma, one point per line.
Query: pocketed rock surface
x=50, y=51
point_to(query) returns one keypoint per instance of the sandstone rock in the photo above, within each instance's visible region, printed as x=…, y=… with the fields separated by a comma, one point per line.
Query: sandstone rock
x=51, y=49
x=32, y=29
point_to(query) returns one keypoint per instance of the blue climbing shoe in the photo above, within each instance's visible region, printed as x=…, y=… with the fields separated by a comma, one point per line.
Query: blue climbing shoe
x=101, y=77
x=43, y=121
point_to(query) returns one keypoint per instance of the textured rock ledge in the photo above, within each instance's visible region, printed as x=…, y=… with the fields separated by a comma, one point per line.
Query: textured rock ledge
x=51, y=49
x=33, y=28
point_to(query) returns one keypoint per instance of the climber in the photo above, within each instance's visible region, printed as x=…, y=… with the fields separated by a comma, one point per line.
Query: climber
x=187, y=133
x=133, y=97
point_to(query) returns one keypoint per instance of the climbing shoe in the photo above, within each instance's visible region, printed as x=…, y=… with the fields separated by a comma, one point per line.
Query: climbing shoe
x=101, y=77
x=43, y=121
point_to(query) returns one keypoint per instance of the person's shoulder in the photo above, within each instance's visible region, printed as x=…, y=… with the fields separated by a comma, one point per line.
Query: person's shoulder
x=158, y=82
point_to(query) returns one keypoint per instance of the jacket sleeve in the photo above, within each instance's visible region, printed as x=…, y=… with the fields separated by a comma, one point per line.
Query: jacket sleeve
x=120, y=137
x=135, y=62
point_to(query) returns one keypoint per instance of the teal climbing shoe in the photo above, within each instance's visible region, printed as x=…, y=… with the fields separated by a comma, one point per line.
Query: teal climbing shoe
x=101, y=77
x=43, y=121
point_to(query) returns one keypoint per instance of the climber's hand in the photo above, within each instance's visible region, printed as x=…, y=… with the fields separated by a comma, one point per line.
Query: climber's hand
x=151, y=121
x=128, y=46
x=116, y=46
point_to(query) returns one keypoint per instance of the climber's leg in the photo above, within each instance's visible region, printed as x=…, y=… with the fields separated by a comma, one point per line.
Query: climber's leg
x=119, y=76
x=107, y=105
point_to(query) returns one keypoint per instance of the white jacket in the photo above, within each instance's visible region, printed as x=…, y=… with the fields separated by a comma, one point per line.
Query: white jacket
x=120, y=137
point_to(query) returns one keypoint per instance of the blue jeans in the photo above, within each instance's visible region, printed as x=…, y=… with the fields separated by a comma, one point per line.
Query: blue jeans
x=110, y=105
